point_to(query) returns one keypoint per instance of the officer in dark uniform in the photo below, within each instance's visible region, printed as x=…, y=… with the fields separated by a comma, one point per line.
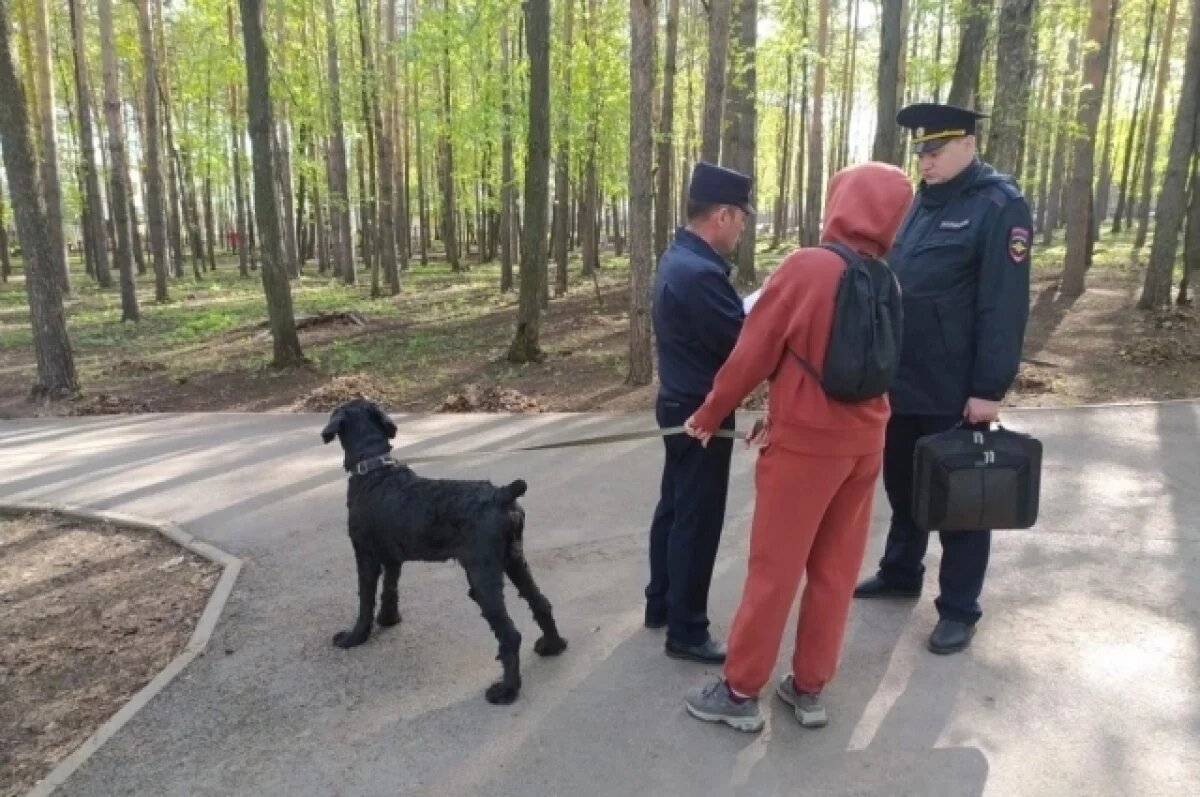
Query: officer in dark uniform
x=697, y=317
x=962, y=256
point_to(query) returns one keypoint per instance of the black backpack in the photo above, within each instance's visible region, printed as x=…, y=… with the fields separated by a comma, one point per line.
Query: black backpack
x=864, y=339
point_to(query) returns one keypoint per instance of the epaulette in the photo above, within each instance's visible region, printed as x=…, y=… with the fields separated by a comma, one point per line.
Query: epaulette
x=1000, y=194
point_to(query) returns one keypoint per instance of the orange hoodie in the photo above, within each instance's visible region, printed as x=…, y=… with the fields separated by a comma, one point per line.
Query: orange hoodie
x=794, y=312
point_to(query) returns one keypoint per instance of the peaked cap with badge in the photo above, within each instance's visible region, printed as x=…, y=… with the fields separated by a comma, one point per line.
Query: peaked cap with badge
x=716, y=185
x=933, y=124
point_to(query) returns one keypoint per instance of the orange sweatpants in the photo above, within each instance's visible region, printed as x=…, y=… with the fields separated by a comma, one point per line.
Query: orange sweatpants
x=811, y=516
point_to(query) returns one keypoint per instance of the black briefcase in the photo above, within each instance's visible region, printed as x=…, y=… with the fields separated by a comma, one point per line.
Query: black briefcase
x=965, y=479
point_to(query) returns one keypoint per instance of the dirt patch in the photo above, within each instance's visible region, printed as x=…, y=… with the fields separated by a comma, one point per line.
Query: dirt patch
x=91, y=613
x=489, y=398
x=108, y=404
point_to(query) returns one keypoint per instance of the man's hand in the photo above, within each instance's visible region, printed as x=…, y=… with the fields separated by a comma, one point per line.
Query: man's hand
x=981, y=410
x=692, y=430
x=760, y=434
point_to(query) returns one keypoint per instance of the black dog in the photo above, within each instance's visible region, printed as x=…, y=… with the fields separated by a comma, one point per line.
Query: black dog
x=397, y=516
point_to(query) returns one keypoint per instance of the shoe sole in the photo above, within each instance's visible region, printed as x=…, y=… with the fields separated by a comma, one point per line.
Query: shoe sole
x=689, y=657
x=805, y=722
x=655, y=626
x=743, y=724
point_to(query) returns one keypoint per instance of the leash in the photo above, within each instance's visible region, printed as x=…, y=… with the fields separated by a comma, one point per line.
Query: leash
x=606, y=439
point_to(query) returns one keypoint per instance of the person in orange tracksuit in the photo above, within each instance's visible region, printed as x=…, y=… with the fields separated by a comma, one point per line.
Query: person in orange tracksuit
x=816, y=471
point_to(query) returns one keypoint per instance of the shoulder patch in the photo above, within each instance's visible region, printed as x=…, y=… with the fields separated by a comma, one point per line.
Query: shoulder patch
x=1018, y=244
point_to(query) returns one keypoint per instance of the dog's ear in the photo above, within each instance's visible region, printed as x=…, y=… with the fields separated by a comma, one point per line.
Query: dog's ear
x=335, y=423
x=383, y=420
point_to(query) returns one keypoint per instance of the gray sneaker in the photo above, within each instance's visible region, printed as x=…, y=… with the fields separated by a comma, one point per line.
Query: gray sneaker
x=712, y=703
x=809, y=711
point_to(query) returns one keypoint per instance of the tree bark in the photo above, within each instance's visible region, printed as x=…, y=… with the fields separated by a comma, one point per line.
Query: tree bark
x=643, y=15
x=816, y=135
x=590, y=232
x=94, y=228
x=156, y=216
x=1191, y=236
x=525, y=346
x=779, y=226
x=5, y=262
x=964, y=87
x=446, y=152
x=1156, y=292
x=175, y=177
x=663, y=203
x=1080, y=197
x=339, y=184
x=51, y=184
x=562, y=163
x=119, y=169
x=239, y=186
x=56, y=376
x=887, y=147
x=744, y=115
x=720, y=13
x=266, y=208
x=507, y=176
x=1152, y=135
x=283, y=147
x=1014, y=76
x=385, y=141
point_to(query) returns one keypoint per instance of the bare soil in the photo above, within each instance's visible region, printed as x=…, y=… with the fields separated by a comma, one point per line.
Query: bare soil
x=91, y=613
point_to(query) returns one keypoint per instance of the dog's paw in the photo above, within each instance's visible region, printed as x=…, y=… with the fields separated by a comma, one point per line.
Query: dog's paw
x=501, y=693
x=388, y=617
x=349, y=639
x=549, y=646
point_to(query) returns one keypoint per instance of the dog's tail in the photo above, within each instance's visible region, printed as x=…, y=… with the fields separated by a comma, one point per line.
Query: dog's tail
x=511, y=492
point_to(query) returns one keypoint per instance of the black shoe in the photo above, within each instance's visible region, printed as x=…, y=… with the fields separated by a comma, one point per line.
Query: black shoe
x=708, y=652
x=656, y=619
x=950, y=636
x=876, y=587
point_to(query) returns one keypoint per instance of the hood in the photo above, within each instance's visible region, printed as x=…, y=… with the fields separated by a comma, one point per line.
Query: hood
x=866, y=204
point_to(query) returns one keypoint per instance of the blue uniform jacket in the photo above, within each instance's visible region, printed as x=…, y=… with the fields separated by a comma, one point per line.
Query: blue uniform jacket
x=697, y=317
x=962, y=257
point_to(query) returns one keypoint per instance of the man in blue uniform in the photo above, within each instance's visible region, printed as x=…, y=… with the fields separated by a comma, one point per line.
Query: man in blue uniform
x=697, y=317
x=962, y=257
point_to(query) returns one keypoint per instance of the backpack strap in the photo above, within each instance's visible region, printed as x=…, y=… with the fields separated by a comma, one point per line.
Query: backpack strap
x=842, y=251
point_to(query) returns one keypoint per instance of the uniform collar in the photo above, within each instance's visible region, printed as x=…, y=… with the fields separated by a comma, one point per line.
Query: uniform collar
x=694, y=243
x=944, y=192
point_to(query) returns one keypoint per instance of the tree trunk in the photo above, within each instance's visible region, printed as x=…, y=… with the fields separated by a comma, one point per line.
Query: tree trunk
x=1080, y=197
x=52, y=347
x=446, y=152
x=742, y=107
x=283, y=147
x=235, y=134
x=339, y=184
x=663, y=203
x=1152, y=136
x=802, y=128
x=94, y=229
x=590, y=231
x=156, y=216
x=1104, y=188
x=51, y=184
x=1191, y=236
x=1156, y=293
x=643, y=15
x=720, y=13
x=976, y=15
x=1014, y=76
x=887, y=147
x=1124, y=193
x=373, y=125
x=779, y=227
x=175, y=177
x=5, y=263
x=119, y=169
x=385, y=142
x=507, y=176
x=266, y=208
x=816, y=138
x=525, y=346
x=1058, y=170
x=562, y=163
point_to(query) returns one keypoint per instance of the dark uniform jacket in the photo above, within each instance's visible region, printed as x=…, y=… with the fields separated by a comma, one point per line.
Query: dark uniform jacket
x=962, y=258
x=697, y=317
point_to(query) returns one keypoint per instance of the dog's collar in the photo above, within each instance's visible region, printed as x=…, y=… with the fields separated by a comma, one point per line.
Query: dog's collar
x=365, y=466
